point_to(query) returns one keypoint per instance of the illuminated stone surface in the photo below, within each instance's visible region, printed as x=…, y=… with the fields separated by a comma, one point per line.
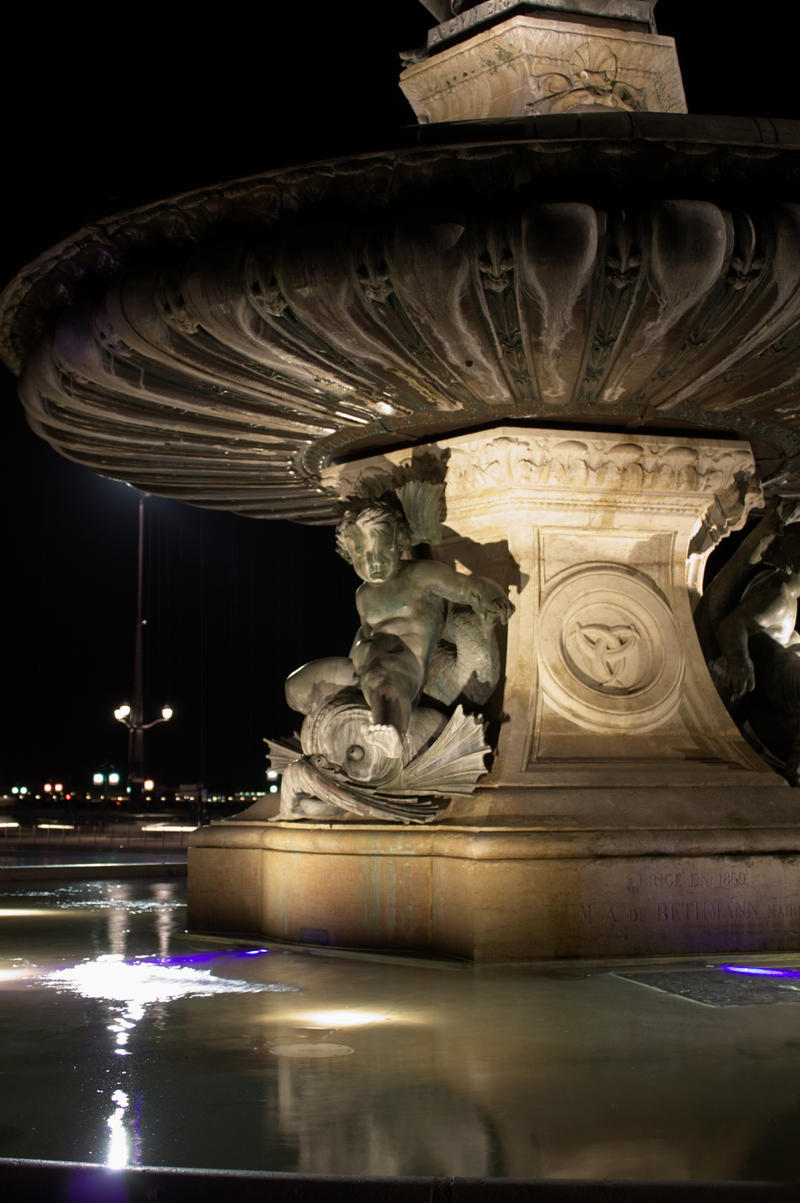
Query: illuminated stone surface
x=590, y=873
x=622, y=800
x=595, y=292
x=530, y=66
x=528, y=272
x=590, y=533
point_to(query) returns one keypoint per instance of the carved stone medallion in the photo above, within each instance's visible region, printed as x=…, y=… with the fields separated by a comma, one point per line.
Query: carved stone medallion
x=610, y=653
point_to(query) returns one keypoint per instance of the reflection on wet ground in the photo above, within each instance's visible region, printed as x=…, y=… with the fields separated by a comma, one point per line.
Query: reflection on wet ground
x=127, y=1042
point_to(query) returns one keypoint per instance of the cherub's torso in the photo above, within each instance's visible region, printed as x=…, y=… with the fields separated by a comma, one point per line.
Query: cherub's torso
x=404, y=606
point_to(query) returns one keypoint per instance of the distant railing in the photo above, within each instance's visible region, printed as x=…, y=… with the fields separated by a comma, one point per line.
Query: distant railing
x=107, y=829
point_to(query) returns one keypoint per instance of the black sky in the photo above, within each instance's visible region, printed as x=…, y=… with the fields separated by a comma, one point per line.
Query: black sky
x=106, y=108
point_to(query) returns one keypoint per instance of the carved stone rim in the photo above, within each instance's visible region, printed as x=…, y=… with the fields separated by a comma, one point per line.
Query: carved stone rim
x=99, y=248
x=194, y=348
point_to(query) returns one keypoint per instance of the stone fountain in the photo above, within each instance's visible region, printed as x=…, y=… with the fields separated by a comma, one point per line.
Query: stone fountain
x=547, y=346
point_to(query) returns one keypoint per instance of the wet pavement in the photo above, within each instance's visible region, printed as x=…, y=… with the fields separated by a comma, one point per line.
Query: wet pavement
x=128, y=1042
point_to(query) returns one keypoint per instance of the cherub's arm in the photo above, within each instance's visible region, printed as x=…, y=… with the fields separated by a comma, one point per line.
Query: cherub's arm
x=485, y=597
x=751, y=615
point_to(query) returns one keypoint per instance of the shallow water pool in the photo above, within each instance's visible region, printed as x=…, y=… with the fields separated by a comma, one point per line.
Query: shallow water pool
x=128, y=1042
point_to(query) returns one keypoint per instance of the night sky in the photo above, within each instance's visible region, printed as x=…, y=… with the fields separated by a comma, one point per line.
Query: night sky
x=108, y=108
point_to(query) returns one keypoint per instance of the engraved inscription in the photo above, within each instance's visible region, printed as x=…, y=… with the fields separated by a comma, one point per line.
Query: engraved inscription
x=783, y=910
x=713, y=899
x=723, y=880
x=686, y=912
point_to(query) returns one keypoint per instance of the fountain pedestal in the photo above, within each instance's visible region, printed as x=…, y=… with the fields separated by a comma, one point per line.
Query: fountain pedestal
x=624, y=813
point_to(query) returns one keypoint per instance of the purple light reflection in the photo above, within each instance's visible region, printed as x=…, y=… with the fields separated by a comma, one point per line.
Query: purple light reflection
x=200, y=958
x=759, y=972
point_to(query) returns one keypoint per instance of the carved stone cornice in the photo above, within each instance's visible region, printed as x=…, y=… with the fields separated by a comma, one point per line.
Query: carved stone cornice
x=566, y=470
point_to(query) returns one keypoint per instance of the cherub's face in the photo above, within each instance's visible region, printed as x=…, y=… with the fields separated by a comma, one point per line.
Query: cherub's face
x=375, y=550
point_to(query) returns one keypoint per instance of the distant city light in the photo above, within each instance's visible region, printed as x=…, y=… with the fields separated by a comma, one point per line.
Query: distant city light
x=272, y=775
x=122, y=712
x=97, y=778
x=273, y=789
x=113, y=778
x=167, y=713
x=148, y=783
x=58, y=787
x=48, y=789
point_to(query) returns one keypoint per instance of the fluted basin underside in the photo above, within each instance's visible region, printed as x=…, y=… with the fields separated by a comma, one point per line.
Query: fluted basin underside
x=223, y=347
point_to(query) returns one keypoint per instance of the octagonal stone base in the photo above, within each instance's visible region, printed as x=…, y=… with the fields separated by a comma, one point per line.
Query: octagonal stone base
x=709, y=871
x=624, y=814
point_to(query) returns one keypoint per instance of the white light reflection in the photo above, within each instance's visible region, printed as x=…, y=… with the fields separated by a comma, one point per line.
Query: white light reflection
x=17, y=912
x=342, y=1019
x=168, y=827
x=13, y=975
x=118, y=1154
x=138, y=983
x=129, y=988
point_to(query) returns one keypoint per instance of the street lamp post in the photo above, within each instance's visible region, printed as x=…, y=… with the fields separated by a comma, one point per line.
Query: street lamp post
x=133, y=716
x=130, y=717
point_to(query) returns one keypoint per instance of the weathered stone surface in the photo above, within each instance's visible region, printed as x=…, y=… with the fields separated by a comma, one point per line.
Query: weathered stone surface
x=590, y=532
x=532, y=66
x=590, y=875
x=458, y=20
x=624, y=813
x=451, y=287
